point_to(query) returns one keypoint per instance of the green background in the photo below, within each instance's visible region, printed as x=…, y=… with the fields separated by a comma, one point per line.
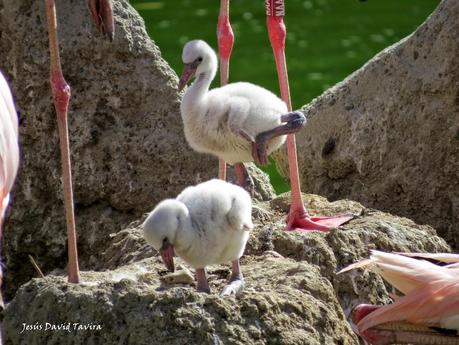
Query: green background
x=326, y=39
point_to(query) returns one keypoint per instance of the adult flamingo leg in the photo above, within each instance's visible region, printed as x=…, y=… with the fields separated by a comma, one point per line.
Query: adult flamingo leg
x=243, y=178
x=61, y=96
x=298, y=218
x=225, y=38
x=102, y=15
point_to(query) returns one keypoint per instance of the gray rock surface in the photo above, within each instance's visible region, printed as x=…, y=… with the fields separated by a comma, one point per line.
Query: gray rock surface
x=127, y=145
x=292, y=293
x=299, y=310
x=388, y=135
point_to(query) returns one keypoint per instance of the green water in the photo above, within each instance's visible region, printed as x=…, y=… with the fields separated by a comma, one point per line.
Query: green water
x=326, y=39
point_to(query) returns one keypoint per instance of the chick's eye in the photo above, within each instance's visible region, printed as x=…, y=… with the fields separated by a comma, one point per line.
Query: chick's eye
x=200, y=59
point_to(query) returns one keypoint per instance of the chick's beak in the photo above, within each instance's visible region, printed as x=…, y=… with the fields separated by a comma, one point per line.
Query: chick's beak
x=187, y=74
x=167, y=254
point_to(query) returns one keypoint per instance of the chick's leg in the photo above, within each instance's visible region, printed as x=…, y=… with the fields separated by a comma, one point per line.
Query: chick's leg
x=292, y=123
x=201, y=278
x=236, y=282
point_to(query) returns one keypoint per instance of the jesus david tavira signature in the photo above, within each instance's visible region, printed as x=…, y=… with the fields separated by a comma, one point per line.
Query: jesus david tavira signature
x=60, y=327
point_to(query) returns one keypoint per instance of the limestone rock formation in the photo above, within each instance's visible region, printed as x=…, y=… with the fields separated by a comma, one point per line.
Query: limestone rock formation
x=299, y=309
x=388, y=135
x=127, y=145
x=292, y=293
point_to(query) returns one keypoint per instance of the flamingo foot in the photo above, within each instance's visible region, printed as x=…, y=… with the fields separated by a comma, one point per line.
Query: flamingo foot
x=301, y=221
x=233, y=288
x=292, y=123
x=236, y=282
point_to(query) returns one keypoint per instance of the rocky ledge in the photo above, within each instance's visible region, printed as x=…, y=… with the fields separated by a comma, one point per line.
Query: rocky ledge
x=292, y=294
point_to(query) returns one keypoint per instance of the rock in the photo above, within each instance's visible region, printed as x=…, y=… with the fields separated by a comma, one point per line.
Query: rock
x=180, y=276
x=388, y=135
x=292, y=294
x=338, y=248
x=127, y=145
x=301, y=309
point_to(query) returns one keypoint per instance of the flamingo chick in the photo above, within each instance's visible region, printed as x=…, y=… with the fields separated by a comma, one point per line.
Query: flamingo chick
x=238, y=122
x=206, y=224
x=430, y=299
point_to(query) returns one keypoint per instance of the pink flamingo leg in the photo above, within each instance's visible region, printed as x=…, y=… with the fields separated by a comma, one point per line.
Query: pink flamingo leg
x=225, y=38
x=298, y=218
x=61, y=96
x=222, y=169
x=102, y=15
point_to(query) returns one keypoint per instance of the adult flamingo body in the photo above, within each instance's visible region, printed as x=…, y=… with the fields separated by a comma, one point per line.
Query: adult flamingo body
x=9, y=155
x=430, y=298
x=9, y=149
